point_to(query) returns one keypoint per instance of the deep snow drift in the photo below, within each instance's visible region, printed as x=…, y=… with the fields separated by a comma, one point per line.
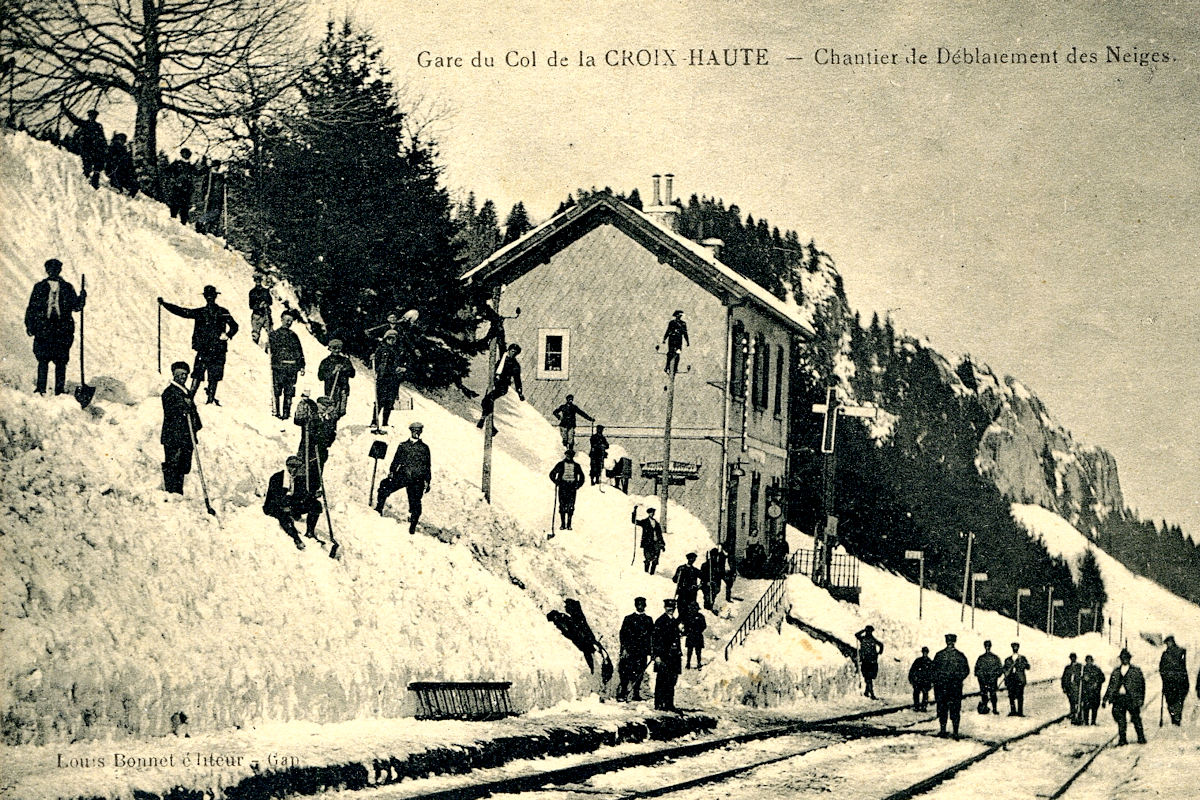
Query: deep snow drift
x=123, y=605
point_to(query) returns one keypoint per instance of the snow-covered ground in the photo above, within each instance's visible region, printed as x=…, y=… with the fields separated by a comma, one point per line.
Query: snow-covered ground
x=122, y=605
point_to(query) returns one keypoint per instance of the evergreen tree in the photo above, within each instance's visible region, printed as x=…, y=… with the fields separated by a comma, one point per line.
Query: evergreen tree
x=360, y=222
x=517, y=223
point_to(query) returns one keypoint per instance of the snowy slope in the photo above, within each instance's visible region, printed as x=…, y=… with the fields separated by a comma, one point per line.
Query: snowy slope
x=123, y=605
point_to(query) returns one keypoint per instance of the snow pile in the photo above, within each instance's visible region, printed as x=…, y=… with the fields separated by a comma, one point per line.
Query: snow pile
x=123, y=605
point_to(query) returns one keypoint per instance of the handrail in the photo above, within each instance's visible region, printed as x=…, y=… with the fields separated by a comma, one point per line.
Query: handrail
x=763, y=610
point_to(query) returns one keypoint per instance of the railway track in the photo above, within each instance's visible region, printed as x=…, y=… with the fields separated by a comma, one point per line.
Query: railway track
x=684, y=770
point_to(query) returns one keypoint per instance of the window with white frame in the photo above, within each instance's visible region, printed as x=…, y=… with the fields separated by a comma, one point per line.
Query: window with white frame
x=554, y=354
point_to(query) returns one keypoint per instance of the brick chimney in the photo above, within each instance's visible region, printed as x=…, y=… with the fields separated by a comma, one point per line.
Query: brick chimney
x=664, y=212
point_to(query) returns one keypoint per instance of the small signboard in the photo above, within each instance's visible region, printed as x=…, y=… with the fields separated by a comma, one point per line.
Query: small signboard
x=917, y=554
x=1058, y=603
x=979, y=576
x=1023, y=592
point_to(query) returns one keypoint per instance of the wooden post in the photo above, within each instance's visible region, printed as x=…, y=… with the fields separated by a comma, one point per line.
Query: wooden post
x=485, y=481
x=665, y=486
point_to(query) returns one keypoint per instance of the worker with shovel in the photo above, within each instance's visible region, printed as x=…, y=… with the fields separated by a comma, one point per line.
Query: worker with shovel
x=181, y=422
x=48, y=320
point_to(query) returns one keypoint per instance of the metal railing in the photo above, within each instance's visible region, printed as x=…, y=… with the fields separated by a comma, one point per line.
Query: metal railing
x=762, y=612
x=843, y=568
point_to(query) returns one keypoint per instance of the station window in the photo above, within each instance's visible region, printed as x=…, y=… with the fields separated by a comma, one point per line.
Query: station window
x=554, y=354
x=779, y=364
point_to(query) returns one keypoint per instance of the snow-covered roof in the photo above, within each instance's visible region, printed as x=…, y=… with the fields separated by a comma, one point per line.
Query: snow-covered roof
x=707, y=270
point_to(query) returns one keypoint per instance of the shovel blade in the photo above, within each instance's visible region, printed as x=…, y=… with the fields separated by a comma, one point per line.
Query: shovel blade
x=84, y=394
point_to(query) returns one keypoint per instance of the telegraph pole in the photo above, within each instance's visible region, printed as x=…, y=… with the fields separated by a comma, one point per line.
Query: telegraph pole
x=485, y=481
x=665, y=487
x=919, y=555
x=831, y=409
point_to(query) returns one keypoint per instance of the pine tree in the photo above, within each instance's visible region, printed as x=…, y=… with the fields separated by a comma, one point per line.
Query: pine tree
x=360, y=222
x=516, y=224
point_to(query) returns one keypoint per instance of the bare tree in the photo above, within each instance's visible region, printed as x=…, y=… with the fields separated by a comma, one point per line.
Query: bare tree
x=192, y=58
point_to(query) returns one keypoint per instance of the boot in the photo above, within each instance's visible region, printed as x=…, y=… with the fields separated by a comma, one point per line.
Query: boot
x=287, y=408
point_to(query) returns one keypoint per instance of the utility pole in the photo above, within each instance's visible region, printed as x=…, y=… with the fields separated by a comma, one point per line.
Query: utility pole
x=1054, y=605
x=1049, y=609
x=665, y=486
x=831, y=409
x=962, y=611
x=485, y=481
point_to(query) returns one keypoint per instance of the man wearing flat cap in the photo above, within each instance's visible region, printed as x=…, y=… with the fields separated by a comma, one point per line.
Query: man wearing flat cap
x=1126, y=692
x=287, y=505
x=1172, y=669
x=48, y=320
x=411, y=470
x=950, y=669
x=213, y=327
x=335, y=371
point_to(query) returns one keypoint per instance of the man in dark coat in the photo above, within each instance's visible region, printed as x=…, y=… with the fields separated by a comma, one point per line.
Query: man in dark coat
x=568, y=415
x=567, y=477
x=687, y=582
x=286, y=506
x=287, y=363
x=118, y=164
x=180, y=185
x=950, y=669
x=214, y=327
x=210, y=218
x=710, y=577
x=651, y=541
x=1126, y=692
x=177, y=436
x=411, y=470
x=48, y=320
x=668, y=657
x=260, y=307
x=920, y=677
x=388, y=371
x=307, y=415
x=869, y=650
x=1015, y=667
x=988, y=670
x=1071, y=686
x=91, y=142
x=597, y=453
x=508, y=375
x=730, y=569
x=335, y=371
x=1172, y=669
x=637, y=633
x=1091, y=679
x=675, y=338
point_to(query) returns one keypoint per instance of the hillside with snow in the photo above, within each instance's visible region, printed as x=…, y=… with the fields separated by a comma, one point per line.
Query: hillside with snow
x=123, y=605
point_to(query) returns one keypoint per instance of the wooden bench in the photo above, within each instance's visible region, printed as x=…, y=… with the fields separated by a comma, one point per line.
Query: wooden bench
x=469, y=700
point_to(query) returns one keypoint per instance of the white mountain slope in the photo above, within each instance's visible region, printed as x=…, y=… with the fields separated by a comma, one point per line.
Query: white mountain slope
x=121, y=605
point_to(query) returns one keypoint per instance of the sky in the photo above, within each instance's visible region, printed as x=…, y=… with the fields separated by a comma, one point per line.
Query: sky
x=1041, y=218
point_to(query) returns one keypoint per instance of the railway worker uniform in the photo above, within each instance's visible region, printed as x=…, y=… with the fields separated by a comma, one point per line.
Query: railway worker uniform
x=950, y=669
x=988, y=670
x=1015, y=667
x=668, y=657
x=1072, y=688
x=637, y=642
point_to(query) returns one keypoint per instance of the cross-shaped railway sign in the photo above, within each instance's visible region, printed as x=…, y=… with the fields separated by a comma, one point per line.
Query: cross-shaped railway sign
x=833, y=408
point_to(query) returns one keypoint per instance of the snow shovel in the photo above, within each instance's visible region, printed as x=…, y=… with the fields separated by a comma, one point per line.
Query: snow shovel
x=1161, y=700
x=83, y=392
x=199, y=466
x=553, y=513
x=334, y=547
x=378, y=451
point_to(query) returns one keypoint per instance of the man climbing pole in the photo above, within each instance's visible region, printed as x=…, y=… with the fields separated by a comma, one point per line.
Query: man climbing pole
x=508, y=375
x=675, y=338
